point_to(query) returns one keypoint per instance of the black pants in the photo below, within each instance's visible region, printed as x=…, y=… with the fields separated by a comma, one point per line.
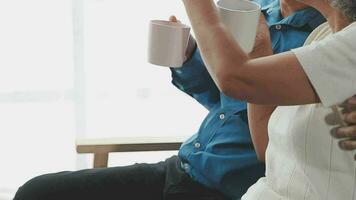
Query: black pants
x=164, y=180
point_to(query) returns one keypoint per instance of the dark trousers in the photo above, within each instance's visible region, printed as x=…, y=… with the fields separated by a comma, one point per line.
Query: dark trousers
x=165, y=180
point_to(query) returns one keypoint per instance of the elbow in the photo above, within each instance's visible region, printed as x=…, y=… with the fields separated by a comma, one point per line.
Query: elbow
x=233, y=91
x=230, y=85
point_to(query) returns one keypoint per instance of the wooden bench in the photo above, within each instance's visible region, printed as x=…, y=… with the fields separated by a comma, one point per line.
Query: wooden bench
x=101, y=148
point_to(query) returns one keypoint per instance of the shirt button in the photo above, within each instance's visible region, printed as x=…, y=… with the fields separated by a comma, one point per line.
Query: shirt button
x=197, y=145
x=278, y=27
x=222, y=116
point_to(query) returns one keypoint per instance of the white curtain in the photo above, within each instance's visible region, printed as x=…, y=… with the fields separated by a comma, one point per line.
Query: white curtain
x=77, y=68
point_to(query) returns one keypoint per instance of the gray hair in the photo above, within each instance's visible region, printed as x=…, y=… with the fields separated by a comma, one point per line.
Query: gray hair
x=347, y=7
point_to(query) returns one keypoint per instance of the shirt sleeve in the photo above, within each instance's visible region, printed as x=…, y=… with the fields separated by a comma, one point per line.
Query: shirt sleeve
x=194, y=79
x=331, y=66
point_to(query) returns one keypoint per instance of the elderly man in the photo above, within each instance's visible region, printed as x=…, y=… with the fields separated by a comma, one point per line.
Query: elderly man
x=219, y=161
x=302, y=161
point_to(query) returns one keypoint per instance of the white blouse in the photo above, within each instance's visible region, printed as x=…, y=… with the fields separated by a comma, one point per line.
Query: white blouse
x=303, y=161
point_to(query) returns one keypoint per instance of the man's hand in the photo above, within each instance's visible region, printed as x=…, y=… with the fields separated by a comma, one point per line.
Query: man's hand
x=192, y=45
x=263, y=44
x=348, y=133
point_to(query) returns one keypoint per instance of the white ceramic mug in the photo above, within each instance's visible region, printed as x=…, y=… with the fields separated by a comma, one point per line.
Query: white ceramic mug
x=241, y=18
x=168, y=42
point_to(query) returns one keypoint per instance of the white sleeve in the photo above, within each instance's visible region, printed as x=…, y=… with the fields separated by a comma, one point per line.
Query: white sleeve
x=331, y=66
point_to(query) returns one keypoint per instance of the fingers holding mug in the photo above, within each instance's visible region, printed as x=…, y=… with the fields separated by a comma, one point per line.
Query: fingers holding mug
x=191, y=42
x=173, y=18
x=167, y=42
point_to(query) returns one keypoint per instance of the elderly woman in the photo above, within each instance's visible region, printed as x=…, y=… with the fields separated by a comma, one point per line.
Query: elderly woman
x=303, y=161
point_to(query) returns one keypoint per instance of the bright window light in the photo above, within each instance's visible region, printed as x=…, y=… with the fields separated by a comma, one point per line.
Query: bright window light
x=77, y=68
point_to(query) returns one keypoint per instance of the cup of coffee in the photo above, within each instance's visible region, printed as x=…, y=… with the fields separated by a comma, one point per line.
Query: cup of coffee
x=168, y=42
x=241, y=19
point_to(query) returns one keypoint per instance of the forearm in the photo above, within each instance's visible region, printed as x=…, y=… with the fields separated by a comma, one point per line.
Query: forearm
x=258, y=117
x=193, y=79
x=221, y=50
x=273, y=80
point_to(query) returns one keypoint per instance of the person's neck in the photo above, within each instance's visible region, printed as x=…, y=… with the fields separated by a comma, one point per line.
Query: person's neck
x=336, y=20
x=288, y=7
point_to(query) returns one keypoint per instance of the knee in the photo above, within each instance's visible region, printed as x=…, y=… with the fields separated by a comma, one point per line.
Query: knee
x=37, y=188
x=31, y=190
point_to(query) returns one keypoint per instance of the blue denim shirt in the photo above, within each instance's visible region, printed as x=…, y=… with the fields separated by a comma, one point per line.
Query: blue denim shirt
x=221, y=154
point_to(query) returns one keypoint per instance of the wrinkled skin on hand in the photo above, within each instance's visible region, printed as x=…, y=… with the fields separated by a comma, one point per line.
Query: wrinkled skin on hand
x=347, y=134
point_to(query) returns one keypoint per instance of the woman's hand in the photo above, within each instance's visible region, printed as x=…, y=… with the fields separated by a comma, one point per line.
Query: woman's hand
x=348, y=133
x=192, y=45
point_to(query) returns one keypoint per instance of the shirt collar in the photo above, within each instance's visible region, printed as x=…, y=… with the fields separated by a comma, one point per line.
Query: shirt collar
x=232, y=104
x=308, y=16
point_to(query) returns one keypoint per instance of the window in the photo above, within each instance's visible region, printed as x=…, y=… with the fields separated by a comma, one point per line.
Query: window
x=36, y=82
x=77, y=68
x=135, y=97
